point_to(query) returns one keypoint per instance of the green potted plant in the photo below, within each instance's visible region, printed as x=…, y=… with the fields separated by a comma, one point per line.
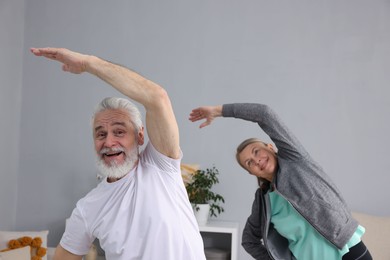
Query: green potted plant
x=199, y=185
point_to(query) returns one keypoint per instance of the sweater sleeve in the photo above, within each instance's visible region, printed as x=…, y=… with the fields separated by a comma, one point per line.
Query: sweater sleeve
x=287, y=144
x=252, y=233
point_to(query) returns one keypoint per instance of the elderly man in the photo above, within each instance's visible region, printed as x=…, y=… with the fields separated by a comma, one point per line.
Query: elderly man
x=141, y=209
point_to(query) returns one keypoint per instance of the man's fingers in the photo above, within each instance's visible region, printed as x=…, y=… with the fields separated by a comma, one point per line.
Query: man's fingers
x=49, y=53
x=41, y=51
x=65, y=67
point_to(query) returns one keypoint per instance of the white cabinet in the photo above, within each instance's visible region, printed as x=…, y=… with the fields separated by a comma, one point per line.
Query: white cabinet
x=221, y=234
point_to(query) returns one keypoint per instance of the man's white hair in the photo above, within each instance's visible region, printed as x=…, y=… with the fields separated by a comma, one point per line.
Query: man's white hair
x=120, y=103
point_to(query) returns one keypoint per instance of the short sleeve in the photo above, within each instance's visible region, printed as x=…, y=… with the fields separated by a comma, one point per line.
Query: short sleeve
x=76, y=238
x=153, y=157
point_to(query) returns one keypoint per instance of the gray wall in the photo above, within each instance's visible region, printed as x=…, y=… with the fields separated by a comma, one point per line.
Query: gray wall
x=11, y=57
x=322, y=65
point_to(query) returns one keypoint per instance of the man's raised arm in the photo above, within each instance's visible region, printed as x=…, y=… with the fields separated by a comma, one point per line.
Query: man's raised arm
x=161, y=123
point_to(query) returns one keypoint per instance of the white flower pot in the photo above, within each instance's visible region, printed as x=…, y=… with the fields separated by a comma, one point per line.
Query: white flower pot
x=202, y=214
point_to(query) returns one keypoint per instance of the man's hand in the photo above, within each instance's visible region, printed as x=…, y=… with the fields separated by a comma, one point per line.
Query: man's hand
x=72, y=61
x=207, y=112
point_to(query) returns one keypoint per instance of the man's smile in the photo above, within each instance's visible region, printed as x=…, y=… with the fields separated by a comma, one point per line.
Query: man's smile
x=112, y=154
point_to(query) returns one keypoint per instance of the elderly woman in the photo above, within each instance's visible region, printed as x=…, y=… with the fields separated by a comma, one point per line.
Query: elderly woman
x=297, y=213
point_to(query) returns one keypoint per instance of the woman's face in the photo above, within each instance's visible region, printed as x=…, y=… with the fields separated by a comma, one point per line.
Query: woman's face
x=260, y=160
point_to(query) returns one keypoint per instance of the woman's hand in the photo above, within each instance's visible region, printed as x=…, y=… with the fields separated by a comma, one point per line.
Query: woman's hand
x=207, y=112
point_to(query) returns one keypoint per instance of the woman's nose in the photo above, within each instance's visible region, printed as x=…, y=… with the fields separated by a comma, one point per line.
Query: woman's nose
x=255, y=161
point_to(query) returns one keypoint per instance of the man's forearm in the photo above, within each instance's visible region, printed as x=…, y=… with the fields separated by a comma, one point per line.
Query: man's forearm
x=160, y=120
x=126, y=81
x=62, y=254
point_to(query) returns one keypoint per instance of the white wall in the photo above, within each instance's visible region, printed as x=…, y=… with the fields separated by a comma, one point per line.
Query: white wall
x=322, y=65
x=11, y=57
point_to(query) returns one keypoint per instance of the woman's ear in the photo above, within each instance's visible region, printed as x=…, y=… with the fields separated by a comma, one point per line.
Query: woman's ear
x=271, y=147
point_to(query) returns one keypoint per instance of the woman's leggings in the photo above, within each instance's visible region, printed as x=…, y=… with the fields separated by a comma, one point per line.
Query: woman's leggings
x=358, y=252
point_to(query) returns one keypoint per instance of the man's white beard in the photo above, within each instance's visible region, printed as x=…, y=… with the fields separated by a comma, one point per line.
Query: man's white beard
x=114, y=170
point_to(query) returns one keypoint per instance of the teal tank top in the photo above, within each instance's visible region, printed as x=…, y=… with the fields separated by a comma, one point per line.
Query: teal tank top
x=304, y=241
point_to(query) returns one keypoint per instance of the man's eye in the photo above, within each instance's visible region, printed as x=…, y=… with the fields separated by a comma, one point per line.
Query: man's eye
x=100, y=135
x=119, y=132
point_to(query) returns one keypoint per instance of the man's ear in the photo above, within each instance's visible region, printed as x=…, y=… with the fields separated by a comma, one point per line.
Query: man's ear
x=141, y=136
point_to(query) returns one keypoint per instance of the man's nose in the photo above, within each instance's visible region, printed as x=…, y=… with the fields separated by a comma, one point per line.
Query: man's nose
x=110, y=140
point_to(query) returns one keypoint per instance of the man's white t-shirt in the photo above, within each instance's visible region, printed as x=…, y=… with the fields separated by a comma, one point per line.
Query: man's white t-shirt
x=145, y=215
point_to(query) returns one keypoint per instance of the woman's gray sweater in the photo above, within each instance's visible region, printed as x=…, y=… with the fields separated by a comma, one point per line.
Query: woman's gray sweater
x=299, y=179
